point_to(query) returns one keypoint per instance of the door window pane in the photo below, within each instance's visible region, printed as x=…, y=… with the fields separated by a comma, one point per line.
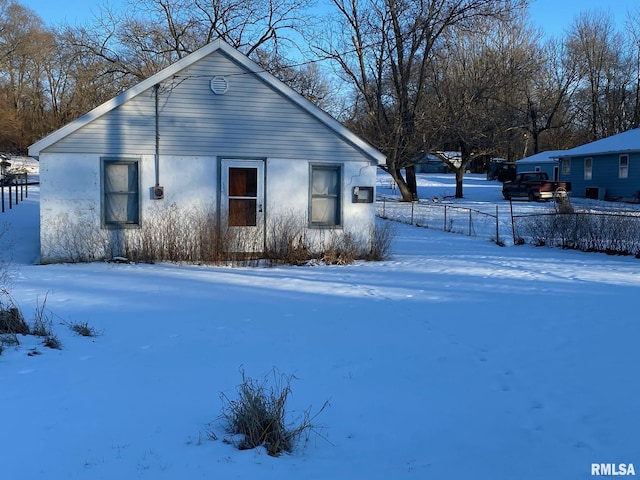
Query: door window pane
x=242, y=212
x=243, y=182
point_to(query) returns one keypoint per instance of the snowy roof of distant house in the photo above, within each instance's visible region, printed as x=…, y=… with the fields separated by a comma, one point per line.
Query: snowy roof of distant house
x=450, y=155
x=628, y=141
x=550, y=156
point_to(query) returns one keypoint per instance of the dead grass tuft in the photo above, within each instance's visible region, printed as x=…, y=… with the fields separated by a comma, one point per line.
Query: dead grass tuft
x=259, y=415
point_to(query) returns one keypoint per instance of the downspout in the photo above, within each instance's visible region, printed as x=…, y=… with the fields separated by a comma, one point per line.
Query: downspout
x=156, y=88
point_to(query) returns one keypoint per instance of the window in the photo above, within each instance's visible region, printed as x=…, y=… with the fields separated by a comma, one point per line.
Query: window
x=588, y=168
x=121, y=193
x=326, y=198
x=566, y=165
x=623, y=171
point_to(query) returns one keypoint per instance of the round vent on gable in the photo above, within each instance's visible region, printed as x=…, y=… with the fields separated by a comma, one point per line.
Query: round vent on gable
x=219, y=85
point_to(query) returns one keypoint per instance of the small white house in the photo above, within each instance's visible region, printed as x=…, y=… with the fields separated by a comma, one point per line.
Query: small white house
x=211, y=137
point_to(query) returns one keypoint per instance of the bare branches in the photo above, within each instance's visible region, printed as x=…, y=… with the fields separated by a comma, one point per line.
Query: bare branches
x=384, y=48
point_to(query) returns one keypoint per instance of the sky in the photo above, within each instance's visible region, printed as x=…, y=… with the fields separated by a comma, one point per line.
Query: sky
x=454, y=359
x=554, y=16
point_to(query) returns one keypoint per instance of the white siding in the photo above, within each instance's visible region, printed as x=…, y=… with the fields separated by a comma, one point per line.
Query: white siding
x=70, y=196
x=286, y=196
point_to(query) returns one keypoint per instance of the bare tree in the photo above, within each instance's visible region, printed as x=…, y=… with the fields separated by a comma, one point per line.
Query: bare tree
x=475, y=75
x=149, y=35
x=633, y=28
x=548, y=93
x=383, y=49
x=24, y=42
x=602, y=102
x=305, y=78
x=77, y=80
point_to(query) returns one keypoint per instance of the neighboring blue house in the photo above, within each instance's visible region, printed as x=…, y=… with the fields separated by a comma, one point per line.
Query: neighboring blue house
x=607, y=169
x=542, y=162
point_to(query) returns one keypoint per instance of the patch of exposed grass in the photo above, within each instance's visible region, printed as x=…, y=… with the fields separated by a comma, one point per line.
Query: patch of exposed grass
x=83, y=329
x=259, y=415
x=43, y=326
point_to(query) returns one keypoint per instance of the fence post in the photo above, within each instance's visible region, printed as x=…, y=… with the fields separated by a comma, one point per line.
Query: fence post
x=10, y=197
x=444, y=225
x=469, y=222
x=497, y=227
x=26, y=185
x=16, y=189
x=411, y=213
x=513, y=222
x=2, y=197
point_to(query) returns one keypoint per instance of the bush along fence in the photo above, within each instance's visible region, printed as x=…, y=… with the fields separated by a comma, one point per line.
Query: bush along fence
x=448, y=218
x=17, y=187
x=588, y=231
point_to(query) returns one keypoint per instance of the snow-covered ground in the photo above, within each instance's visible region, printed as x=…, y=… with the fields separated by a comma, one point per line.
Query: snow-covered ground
x=454, y=359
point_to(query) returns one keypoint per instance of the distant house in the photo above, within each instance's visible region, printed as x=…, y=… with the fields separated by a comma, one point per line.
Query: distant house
x=436, y=162
x=431, y=163
x=213, y=133
x=541, y=162
x=605, y=169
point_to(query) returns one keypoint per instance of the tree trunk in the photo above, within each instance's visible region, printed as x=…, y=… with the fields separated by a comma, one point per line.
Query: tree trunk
x=459, y=178
x=405, y=191
x=465, y=156
x=411, y=181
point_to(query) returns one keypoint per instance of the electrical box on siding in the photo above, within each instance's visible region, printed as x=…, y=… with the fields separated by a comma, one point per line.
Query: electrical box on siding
x=362, y=194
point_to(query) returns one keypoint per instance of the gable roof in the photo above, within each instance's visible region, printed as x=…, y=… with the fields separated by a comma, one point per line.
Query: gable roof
x=172, y=70
x=550, y=156
x=628, y=141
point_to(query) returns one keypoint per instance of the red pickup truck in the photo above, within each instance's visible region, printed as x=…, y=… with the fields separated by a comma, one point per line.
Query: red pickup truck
x=535, y=186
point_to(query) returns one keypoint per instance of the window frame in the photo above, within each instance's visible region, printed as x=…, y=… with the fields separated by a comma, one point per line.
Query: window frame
x=566, y=166
x=623, y=171
x=105, y=162
x=338, y=214
x=588, y=171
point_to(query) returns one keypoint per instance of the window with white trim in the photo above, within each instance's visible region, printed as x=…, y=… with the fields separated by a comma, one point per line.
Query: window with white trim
x=588, y=168
x=326, y=195
x=120, y=193
x=566, y=165
x=623, y=169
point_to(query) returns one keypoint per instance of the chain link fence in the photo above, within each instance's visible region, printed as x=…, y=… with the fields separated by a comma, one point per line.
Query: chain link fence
x=616, y=233
x=563, y=226
x=448, y=218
